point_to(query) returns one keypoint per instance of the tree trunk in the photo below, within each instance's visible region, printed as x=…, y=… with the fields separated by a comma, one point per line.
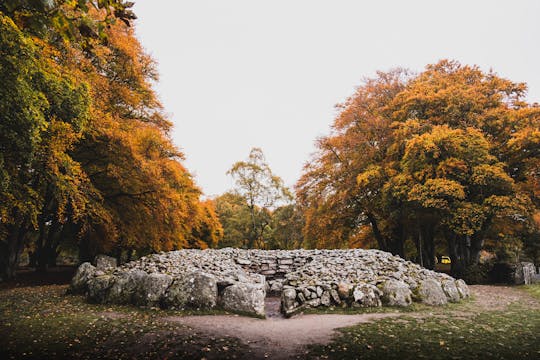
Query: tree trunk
x=381, y=241
x=429, y=247
x=11, y=250
x=455, y=249
x=477, y=243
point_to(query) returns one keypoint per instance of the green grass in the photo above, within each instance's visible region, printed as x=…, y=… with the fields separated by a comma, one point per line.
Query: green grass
x=533, y=289
x=43, y=322
x=457, y=331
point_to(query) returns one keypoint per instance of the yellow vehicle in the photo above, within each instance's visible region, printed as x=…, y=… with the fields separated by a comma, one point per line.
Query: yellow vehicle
x=445, y=260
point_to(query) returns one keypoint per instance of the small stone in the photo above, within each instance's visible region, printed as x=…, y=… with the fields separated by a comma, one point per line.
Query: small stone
x=326, y=298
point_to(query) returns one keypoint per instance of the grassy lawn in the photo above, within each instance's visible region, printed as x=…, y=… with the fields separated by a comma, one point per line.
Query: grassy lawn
x=43, y=322
x=40, y=321
x=458, y=331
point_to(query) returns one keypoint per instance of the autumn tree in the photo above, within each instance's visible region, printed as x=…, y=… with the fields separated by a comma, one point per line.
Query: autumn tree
x=428, y=158
x=86, y=157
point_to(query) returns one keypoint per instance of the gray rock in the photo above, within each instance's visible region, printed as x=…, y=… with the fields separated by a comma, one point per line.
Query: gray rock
x=124, y=286
x=450, y=290
x=288, y=299
x=344, y=290
x=79, y=282
x=396, y=293
x=525, y=273
x=151, y=288
x=194, y=290
x=104, y=262
x=316, y=277
x=463, y=289
x=98, y=288
x=326, y=298
x=244, y=298
x=242, y=261
x=335, y=296
x=313, y=302
x=430, y=292
x=367, y=296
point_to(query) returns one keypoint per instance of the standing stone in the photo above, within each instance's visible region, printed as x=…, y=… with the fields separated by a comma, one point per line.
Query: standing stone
x=430, y=292
x=367, y=296
x=79, y=283
x=525, y=273
x=288, y=300
x=463, y=289
x=98, y=288
x=326, y=299
x=450, y=289
x=151, y=288
x=396, y=293
x=344, y=290
x=124, y=286
x=244, y=298
x=195, y=290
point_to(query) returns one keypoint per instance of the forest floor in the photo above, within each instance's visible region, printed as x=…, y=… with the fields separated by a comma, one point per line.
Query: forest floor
x=38, y=320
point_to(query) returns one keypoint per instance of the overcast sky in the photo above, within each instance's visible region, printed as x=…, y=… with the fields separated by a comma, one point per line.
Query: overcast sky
x=242, y=74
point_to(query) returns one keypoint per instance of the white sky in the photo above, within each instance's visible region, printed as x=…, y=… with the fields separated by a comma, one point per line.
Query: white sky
x=236, y=74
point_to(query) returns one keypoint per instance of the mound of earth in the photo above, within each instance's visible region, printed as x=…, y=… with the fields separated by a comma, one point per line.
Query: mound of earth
x=238, y=280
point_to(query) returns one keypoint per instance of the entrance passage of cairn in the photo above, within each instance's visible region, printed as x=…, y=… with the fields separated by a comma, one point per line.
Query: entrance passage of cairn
x=239, y=280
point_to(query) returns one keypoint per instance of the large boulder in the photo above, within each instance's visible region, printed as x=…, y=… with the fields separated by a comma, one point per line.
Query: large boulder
x=79, y=283
x=344, y=290
x=367, y=295
x=463, y=289
x=396, y=293
x=430, y=292
x=98, y=288
x=244, y=298
x=124, y=286
x=525, y=273
x=151, y=289
x=288, y=301
x=195, y=289
x=450, y=290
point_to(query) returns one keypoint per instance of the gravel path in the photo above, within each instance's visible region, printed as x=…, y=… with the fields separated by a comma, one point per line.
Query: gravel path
x=280, y=338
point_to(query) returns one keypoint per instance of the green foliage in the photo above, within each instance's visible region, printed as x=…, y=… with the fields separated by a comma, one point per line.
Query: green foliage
x=85, y=155
x=247, y=216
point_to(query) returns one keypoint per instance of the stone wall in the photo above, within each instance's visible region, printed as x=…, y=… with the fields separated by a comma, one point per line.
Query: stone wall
x=238, y=280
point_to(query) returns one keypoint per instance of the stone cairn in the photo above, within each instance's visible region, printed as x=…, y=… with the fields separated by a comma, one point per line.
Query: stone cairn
x=238, y=280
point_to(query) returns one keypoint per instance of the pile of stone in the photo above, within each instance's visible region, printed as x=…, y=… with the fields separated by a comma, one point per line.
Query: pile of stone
x=365, y=278
x=238, y=280
x=196, y=279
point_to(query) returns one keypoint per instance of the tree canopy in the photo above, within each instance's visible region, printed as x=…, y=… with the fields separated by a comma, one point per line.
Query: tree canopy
x=440, y=159
x=85, y=155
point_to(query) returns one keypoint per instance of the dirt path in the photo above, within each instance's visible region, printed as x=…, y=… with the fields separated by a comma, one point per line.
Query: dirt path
x=276, y=338
x=279, y=338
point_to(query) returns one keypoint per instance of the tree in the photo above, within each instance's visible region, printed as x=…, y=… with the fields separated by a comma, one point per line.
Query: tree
x=445, y=156
x=86, y=158
x=261, y=190
x=43, y=114
x=286, y=227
